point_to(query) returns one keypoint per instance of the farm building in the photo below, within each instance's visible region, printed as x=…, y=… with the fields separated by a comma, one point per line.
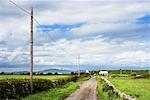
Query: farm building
x=86, y=71
x=103, y=73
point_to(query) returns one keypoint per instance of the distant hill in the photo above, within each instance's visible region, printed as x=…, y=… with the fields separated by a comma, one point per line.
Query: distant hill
x=55, y=70
x=44, y=71
x=20, y=72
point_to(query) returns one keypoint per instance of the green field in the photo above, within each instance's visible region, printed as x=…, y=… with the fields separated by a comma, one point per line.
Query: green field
x=34, y=76
x=139, y=88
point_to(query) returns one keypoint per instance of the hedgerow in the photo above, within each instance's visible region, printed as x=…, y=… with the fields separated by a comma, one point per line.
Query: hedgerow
x=18, y=88
x=143, y=76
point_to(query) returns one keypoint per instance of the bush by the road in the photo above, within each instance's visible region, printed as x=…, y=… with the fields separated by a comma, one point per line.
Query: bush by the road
x=133, y=75
x=17, y=88
x=144, y=76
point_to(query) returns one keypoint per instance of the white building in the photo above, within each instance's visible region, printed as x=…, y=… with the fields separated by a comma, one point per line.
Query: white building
x=103, y=73
x=87, y=71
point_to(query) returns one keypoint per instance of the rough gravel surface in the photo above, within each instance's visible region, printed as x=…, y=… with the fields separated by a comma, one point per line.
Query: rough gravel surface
x=87, y=91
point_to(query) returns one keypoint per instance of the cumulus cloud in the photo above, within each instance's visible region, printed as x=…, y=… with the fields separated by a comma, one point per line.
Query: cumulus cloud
x=134, y=58
x=93, y=51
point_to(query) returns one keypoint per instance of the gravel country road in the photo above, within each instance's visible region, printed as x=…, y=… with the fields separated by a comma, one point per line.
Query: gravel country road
x=87, y=91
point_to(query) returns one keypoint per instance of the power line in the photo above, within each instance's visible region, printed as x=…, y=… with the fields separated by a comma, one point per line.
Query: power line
x=19, y=7
x=52, y=38
x=39, y=25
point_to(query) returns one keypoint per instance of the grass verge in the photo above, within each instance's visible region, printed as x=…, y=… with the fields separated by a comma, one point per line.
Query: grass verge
x=102, y=95
x=55, y=94
x=104, y=92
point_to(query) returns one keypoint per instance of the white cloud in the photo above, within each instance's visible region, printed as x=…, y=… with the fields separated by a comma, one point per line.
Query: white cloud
x=134, y=58
x=93, y=51
x=96, y=51
x=91, y=12
x=101, y=28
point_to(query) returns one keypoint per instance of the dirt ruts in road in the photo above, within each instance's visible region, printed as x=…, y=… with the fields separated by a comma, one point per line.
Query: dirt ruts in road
x=87, y=91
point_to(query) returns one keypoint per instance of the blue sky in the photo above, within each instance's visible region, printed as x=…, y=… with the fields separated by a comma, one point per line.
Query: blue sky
x=144, y=20
x=113, y=33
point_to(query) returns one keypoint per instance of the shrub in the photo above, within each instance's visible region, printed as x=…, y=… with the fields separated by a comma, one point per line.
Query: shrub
x=114, y=76
x=144, y=76
x=133, y=75
x=17, y=88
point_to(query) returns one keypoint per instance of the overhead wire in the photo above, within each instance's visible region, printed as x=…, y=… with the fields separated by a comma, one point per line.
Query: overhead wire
x=19, y=7
x=63, y=49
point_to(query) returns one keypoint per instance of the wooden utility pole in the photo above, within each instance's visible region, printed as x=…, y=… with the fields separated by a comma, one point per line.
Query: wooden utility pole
x=31, y=51
x=78, y=65
x=120, y=71
x=131, y=71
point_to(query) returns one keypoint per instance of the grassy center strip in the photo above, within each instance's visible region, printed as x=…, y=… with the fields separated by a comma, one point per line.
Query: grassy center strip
x=105, y=92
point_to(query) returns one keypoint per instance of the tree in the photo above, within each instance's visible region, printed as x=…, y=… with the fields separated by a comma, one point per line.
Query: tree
x=56, y=73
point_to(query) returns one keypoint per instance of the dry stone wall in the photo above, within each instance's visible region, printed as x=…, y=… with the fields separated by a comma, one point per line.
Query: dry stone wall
x=116, y=91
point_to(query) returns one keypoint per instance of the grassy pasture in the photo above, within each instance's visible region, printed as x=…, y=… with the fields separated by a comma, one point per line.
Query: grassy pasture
x=51, y=77
x=139, y=88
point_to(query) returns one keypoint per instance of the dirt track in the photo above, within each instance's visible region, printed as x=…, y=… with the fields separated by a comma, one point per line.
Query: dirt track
x=87, y=91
